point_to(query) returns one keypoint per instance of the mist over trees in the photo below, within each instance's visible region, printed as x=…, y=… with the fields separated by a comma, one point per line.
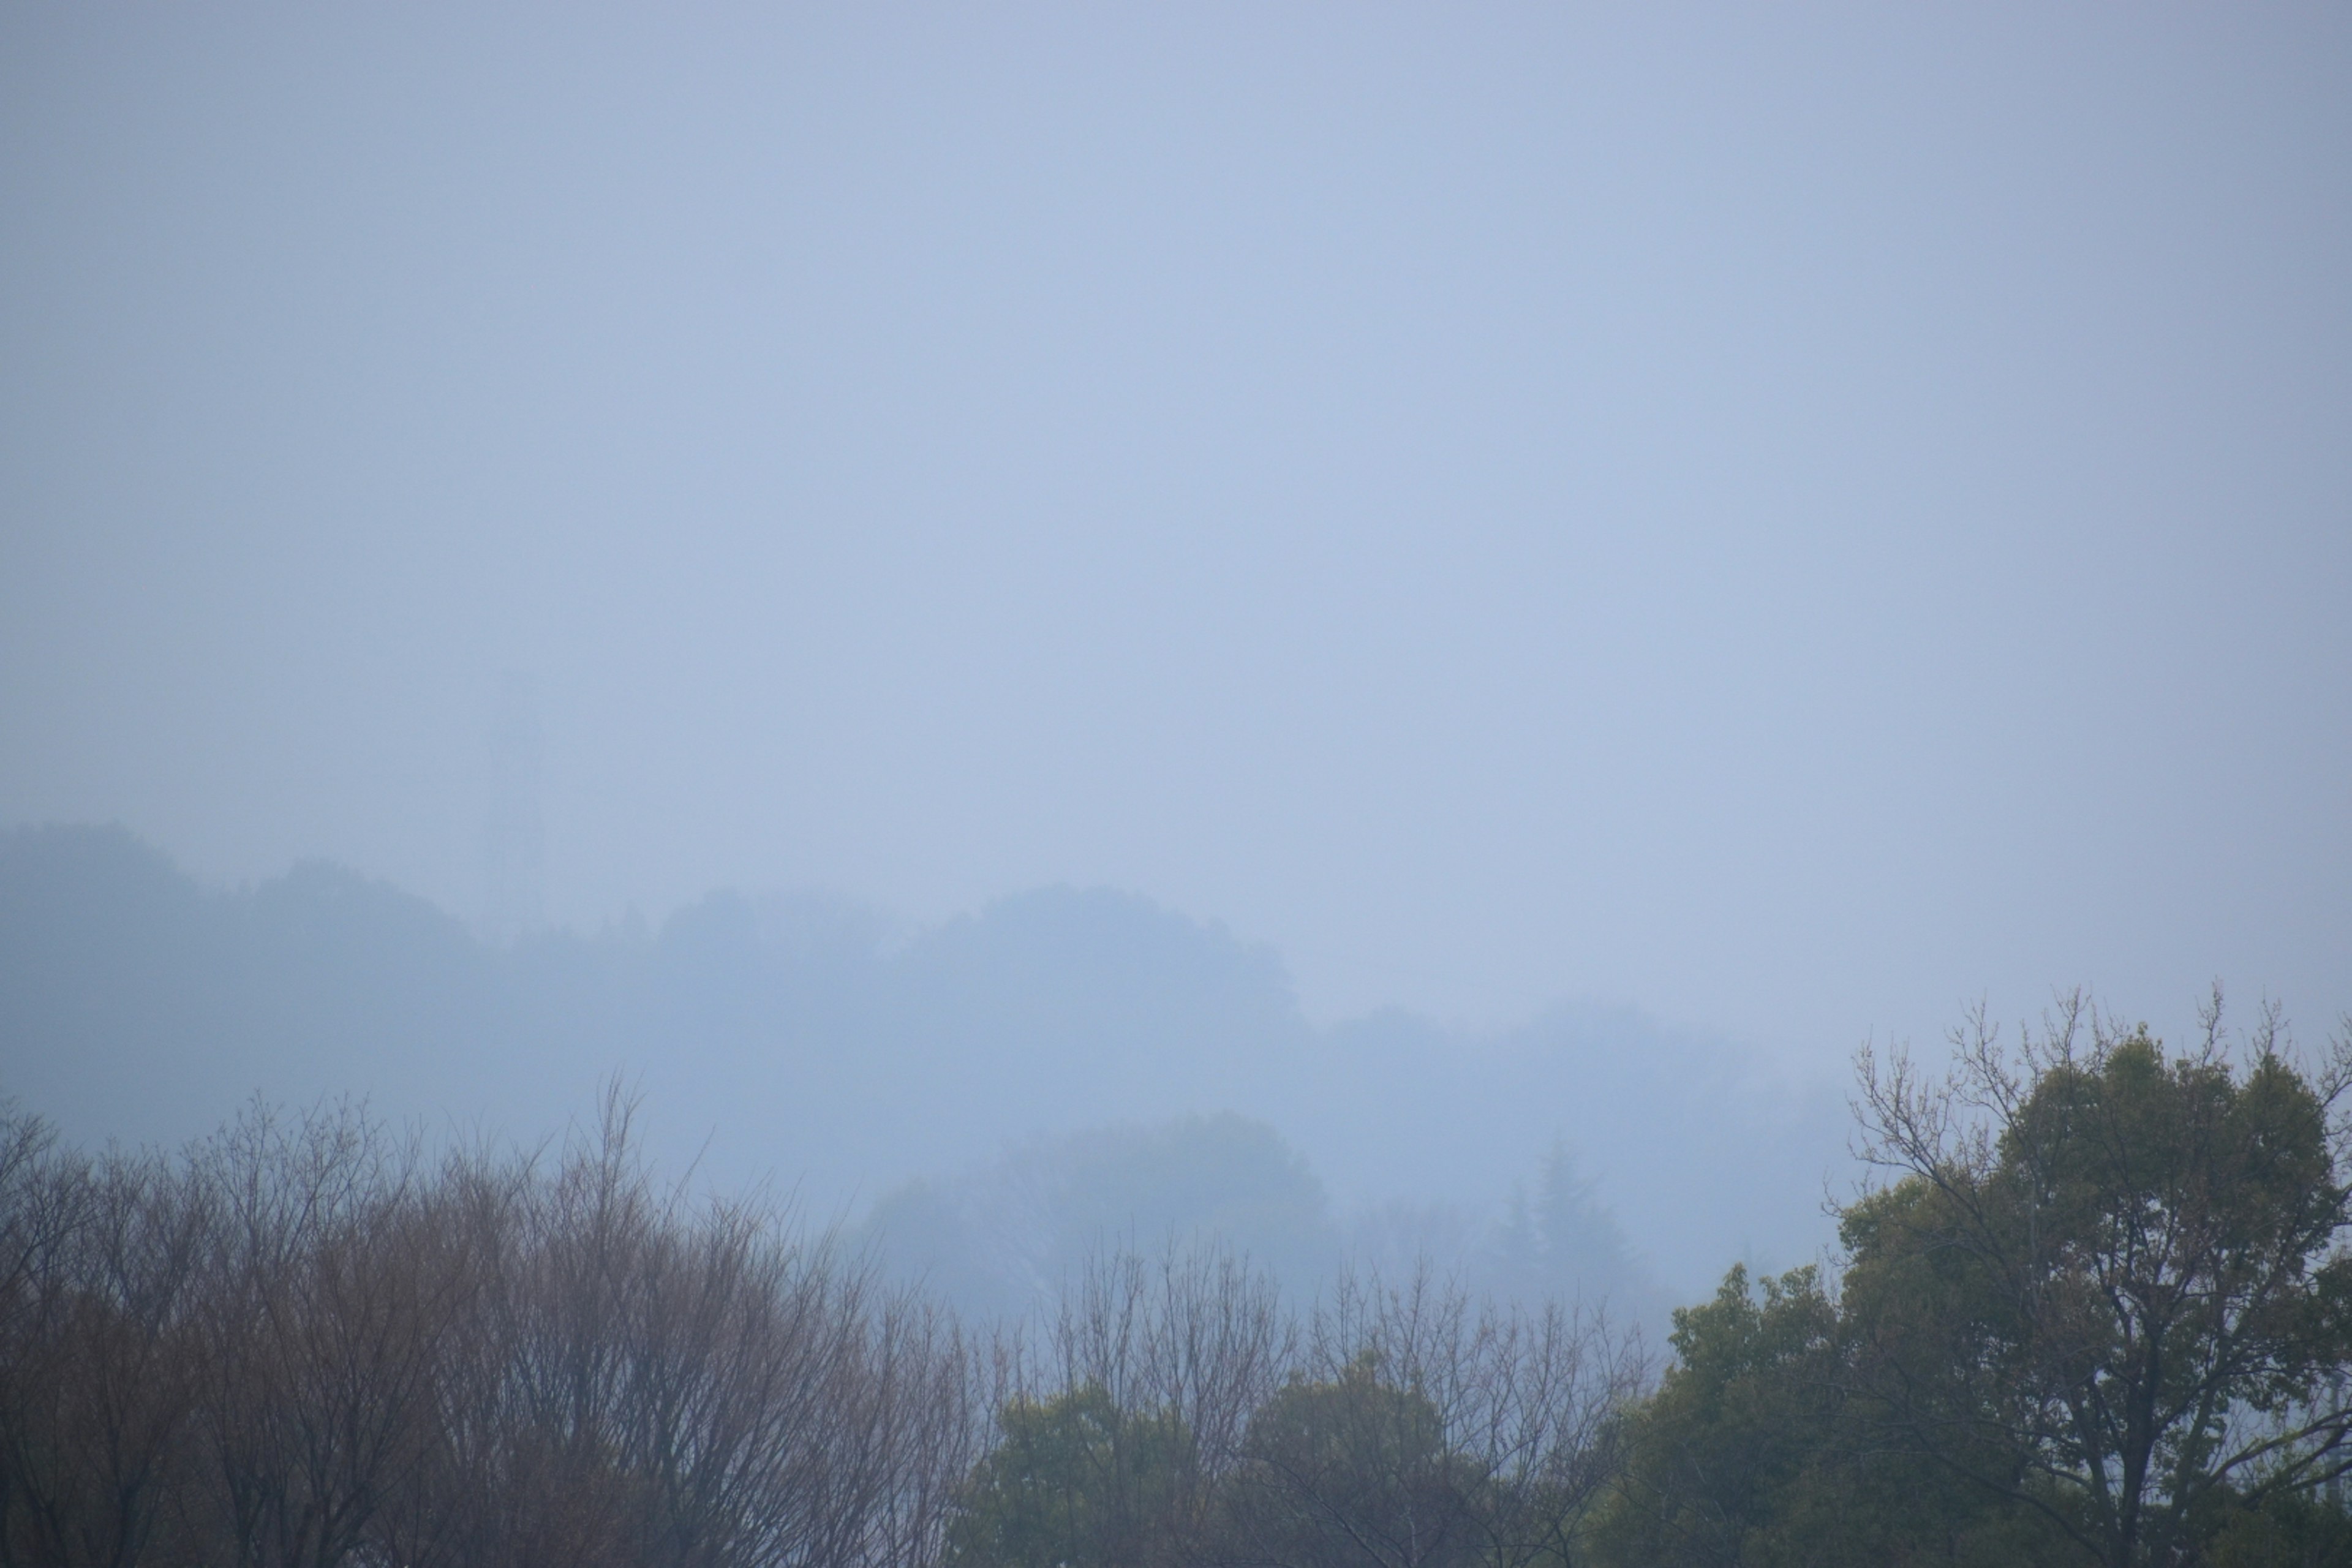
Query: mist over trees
x=2100, y=1313
x=2095, y=1307
x=1006, y=1238
x=1174, y=787
x=962, y=1073
x=310, y=1341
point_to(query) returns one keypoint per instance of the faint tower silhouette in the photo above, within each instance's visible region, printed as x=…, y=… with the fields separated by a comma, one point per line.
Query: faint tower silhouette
x=514, y=838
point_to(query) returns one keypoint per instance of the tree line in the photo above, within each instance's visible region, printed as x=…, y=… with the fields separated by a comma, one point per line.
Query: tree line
x=305, y=1342
x=2098, y=1310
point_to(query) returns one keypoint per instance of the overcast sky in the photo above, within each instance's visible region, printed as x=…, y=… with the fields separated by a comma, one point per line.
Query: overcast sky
x=1791, y=518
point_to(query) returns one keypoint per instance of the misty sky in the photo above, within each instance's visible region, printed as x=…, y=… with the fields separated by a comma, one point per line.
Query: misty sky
x=1789, y=518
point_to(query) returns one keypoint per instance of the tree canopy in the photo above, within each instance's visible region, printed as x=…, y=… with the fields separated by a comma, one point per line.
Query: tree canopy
x=2115, y=1293
x=2099, y=1311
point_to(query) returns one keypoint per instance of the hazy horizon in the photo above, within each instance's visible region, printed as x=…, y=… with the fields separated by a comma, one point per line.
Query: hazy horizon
x=2173, y=1016
x=1792, y=522
x=987, y=1092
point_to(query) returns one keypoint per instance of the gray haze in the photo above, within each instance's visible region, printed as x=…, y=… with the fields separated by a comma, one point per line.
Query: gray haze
x=986, y=1099
x=1787, y=519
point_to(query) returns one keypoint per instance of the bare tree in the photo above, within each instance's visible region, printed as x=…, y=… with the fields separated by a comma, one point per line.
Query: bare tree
x=43, y=1204
x=327, y=1289
x=96, y=1379
x=305, y=1344
x=932, y=1422
x=1422, y=1427
x=1115, y=1420
x=1174, y=1413
x=644, y=1379
x=443, y=1511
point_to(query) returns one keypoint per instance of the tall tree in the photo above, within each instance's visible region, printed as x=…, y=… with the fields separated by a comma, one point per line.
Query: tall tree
x=2106, y=1282
x=1758, y=1451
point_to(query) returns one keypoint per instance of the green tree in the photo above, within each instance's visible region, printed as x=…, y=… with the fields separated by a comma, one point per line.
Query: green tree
x=1757, y=1450
x=2292, y=1530
x=1348, y=1471
x=1075, y=1482
x=1738, y=1423
x=2106, y=1284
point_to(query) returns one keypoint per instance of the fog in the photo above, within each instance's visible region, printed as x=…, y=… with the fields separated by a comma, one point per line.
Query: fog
x=986, y=1102
x=1355, y=595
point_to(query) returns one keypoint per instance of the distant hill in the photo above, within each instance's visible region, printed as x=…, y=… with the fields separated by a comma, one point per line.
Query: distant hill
x=811, y=1043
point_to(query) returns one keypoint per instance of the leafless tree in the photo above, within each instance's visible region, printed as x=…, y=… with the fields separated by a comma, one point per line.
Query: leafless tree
x=932, y=1413
x=307, y=1344
x=96, y=1380
x=326, y=1289
x=1116, y=1417
x=646, y=1378
x=1422, y=1427
x=1174, y=1412
x=1194, y=1332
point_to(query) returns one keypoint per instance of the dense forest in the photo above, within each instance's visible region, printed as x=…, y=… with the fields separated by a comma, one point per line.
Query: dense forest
x=2097, y=1311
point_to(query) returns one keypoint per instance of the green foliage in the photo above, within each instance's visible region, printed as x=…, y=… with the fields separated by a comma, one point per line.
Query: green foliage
x=2101, y=1316
x=1352, y=1471
x=2120, y=1305
x=1755, y=1450
x=2293, y=1530
x=1075, y=1482
x=1737, y=1427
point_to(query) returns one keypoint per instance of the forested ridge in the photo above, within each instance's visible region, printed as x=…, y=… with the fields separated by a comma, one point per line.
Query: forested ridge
x=2098, y=1311
x=989, y=1091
